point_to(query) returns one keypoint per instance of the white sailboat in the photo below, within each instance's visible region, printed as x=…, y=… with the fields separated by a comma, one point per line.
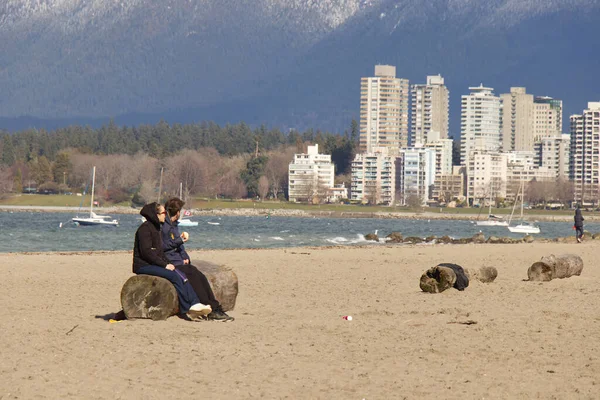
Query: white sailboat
x=524, y=226
x=492, y=220
x=182, y=220
x=94, y=219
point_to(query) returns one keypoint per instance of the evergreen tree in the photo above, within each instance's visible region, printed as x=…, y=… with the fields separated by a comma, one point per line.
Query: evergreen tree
x=62, y=167
x=8, y=152
x=254, y=170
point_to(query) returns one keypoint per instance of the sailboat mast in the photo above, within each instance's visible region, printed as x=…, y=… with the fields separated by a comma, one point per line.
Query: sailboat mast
x=181, y=190
x=93, y=184
x=522, y=199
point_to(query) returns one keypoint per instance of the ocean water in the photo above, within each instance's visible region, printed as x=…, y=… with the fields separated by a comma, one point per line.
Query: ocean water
x=31, y=231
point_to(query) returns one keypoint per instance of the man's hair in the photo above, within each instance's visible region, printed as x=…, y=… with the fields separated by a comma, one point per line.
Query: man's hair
x=174, y=205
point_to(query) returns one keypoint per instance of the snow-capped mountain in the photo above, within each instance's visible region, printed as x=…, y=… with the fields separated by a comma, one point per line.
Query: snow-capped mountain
x=286, y=62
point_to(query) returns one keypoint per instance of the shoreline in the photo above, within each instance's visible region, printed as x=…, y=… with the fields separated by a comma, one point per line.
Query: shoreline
x=249, y=212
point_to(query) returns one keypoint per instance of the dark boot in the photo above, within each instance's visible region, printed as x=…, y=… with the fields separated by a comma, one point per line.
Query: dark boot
x=219, y=315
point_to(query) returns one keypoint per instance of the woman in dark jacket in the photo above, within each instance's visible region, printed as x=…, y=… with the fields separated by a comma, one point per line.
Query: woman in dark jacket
x=149, y=259
x=579, y=224
x=175, y=251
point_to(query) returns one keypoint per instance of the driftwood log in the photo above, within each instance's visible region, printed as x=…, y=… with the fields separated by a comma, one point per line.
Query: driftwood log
x=553, y=267
x=483, y=274
x=444, y=276
x=146, y=296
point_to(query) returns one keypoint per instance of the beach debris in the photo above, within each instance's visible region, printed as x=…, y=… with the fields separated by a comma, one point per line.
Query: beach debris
x=467, y=322
x=553, y=267
x=72, y=329
x=372, y=237
x=442, y=277
x=347, y=317
x=146, y=296
x=483, y=274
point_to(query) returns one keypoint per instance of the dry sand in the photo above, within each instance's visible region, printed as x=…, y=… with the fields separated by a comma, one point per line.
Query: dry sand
x=289, y=340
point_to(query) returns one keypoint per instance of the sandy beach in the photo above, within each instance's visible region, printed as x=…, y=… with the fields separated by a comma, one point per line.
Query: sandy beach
x=289, y=340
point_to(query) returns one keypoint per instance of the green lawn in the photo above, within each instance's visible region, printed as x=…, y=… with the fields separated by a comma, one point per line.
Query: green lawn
x=55, y=200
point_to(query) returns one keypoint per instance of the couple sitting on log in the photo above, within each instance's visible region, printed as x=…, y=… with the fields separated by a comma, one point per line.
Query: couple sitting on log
x=159, y=251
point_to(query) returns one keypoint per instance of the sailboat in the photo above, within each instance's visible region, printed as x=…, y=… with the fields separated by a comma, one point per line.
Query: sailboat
x=492, y=220
x=182, y=220
x=94, y=219
x=524, y=226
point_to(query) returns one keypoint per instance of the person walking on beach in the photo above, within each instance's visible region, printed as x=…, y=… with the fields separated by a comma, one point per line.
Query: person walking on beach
x=149, y=259
x=173, y=246
x=579, y=224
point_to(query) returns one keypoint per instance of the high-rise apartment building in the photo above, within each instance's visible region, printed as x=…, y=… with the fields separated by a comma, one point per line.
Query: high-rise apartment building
x=486, y=176
x=553, y=153
x=585, y=150
x=311, y=176
x=480, y=122
x=373, y=177
x=527, y=119
x=429, y=110
x=547, y=117
x=517, y=120
x=384, y=111
x=415, y=175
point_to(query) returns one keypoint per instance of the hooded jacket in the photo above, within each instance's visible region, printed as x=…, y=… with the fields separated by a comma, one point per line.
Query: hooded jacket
x=578, y=218
x=173, y=243
x=147, y=247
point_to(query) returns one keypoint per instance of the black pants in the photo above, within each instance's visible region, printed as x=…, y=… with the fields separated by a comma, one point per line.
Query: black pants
x=579, y=231
x=201, y=286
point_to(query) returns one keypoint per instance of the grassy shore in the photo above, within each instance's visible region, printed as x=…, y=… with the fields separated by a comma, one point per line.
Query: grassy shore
x=37, y=200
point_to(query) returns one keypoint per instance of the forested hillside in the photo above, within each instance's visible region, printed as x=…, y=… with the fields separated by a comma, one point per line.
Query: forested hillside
x=231, y=161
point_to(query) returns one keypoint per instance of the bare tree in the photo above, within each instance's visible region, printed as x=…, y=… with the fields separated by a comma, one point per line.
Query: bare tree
x=148, y=191
x=6, y=181
x=277, y=168
x=263, y=187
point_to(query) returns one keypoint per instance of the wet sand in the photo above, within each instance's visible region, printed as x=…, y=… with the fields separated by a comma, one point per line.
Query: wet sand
x=289, y=340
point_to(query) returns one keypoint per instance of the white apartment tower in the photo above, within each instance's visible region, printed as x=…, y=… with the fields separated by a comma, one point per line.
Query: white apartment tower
x=486, y=176
x=384, y=111
x=584, y=160
x=429, y=110
x=415, y=175
x=373, y=177
x=480, y=122
x=310, y=176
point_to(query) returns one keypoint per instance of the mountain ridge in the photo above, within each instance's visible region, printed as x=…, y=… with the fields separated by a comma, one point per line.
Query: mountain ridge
x=292, y=63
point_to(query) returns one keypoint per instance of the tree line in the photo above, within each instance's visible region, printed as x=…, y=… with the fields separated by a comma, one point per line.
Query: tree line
x=231, y=161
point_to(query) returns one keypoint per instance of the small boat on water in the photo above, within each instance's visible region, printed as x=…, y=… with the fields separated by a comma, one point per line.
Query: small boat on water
x=95, y=219
x=523, y=226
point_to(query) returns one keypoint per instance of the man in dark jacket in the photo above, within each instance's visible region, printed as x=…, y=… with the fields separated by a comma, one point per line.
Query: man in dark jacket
x=173, y=246
x=579, y=224
x=149, y=259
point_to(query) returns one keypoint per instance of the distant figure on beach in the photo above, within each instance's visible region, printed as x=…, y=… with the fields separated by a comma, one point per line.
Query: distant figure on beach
x=173, y=246
x=149, y=259
x=579, y=224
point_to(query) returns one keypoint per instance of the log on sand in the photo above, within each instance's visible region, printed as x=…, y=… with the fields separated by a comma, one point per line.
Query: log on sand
x=146, y=296
x=483, y=274
x=553, y=267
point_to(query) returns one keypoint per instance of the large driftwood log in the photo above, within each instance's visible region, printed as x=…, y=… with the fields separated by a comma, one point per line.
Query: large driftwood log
x=483, y=274
x=553, y=267
x=145, y=296
x=437, y=279
x=223, y=281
